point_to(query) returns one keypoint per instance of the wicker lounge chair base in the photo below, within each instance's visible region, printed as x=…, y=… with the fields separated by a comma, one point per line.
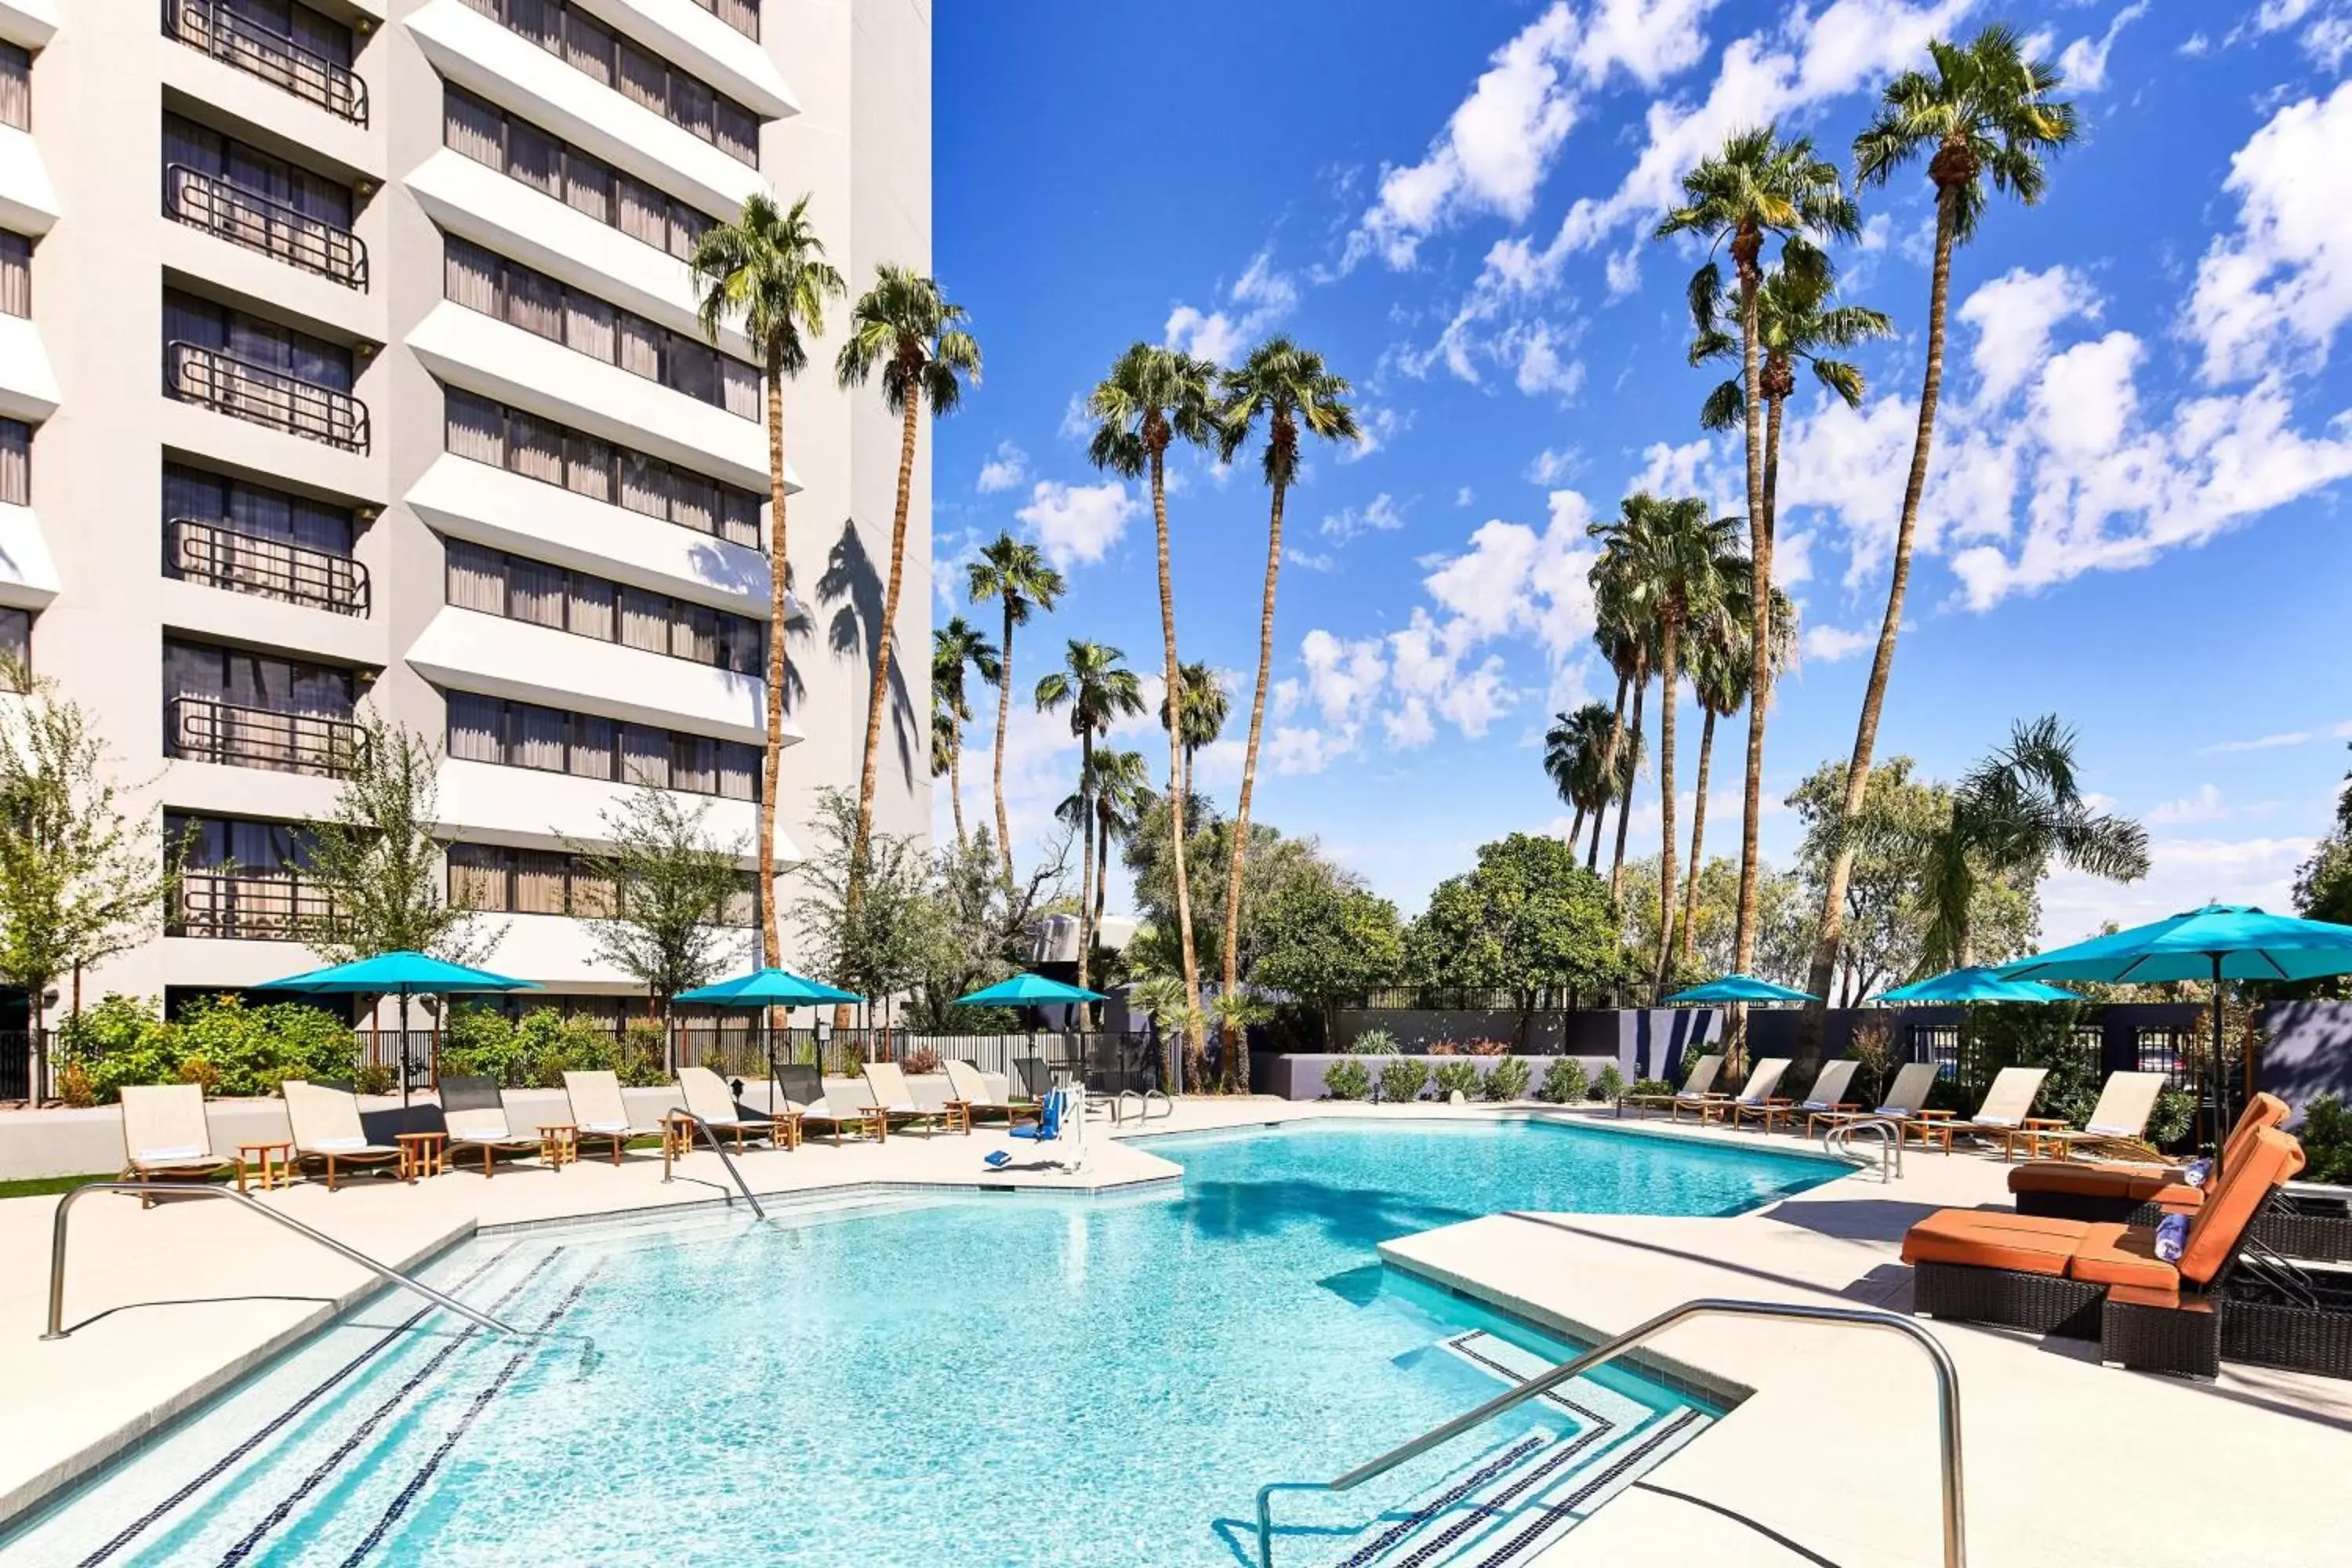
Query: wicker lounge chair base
x=2088, y=1207
x=2292, y=1232
x=2041, y=1303
x=2261, y=1324
x=2148, y=1330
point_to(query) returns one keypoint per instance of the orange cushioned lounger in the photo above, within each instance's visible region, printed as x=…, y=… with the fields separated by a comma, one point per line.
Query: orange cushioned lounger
x=2117, y=1192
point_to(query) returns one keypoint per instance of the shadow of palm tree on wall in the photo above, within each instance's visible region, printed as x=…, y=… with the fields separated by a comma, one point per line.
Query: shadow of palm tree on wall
x=854, y=587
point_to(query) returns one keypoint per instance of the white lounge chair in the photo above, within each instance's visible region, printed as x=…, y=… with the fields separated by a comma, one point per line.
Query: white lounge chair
x=600, y=1111
x=1906, y=1098
x=326, y=1127
x=887, y=1082
x=165, y=1135
x=1828, y=1094
x=1754, y=1096
x=476, y=1114
x=2117, y=1125
x=1694, y=1091
x=707, y=1095
x=2007, y=1105
x=975, y=1094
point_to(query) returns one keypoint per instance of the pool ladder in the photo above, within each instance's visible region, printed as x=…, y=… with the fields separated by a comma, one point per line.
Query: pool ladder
x=1886, y=1132
x=1144, y=1100
x=1948, y=1404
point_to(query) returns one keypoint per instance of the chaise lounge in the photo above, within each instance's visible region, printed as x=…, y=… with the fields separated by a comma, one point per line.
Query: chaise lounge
x=600, y=1111
x=707, y=1097
x=2131, y=1190
x=1906, y=1101
x=2004, y=1114
x=1826, y=1096
x=165, y=1135
x=1755, y=1096
x=1694, y=1091
x=476, y=1115
x=973, y=1092
x=326, y=1127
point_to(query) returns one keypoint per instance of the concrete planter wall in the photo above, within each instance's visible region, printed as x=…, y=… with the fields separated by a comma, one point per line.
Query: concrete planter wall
x=1301, y=1077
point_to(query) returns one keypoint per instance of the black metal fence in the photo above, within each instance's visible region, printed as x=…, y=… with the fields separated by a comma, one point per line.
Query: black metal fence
x=16, y=1064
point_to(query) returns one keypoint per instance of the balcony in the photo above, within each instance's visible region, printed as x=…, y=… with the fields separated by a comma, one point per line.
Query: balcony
x=201, y=730
x=264, y=396
x=248, y=46
x=257, y=223
x=255, y=908
x=268, y=568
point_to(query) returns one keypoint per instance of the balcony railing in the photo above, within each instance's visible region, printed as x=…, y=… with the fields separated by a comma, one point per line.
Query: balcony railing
x=268, y=568
x=259, y=223
x=251, y=47
x=265, y=395
x=204, y=730
x=255, y=908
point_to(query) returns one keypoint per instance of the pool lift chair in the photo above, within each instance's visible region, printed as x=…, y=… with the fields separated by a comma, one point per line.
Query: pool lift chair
x=1061, y=1124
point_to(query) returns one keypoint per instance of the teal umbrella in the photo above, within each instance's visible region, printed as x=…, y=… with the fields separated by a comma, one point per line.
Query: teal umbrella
x=397, y=974
x=2218, y=943
x=1739, y=988
x=1028, y=990
x=767, y=988
x=1975, y=983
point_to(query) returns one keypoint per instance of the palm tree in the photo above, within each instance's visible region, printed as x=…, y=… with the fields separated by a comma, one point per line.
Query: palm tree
x=1290, y=389
x=1202, y=709
x=1988, y=108
x=1015, y=574
x=1098, y=690
x=1719, y=673
x=1622, y=648
x=1576, y=758
x=1624, y=607
x=955, y=647
x=1756, y=187
x=2011, y=815
x=1154, y=396
x=768, y=270
x=1122, y=795
x=911, y=331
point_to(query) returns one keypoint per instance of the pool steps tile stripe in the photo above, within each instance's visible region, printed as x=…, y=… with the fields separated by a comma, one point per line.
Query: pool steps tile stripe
x=1554, y=1520
x=1490, y=1470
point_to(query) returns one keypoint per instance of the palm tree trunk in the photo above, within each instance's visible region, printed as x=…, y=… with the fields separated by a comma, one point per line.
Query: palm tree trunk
x=1086, y=856
x=1576, y=828
x=955, y=789
x=1625, y=801
x=879, y=700
x=1666, y=704
x=1616, y=738
x=1195, y=1042
x=1238, y=1070
x=772, y=759
x=1881, y=663
x=1102, y=858
x=1760, y=691
x=1004, y=716
x=1698, y=836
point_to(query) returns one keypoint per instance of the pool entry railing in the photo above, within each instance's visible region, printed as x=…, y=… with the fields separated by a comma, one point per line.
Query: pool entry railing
x=1948, y=1404
x=1838, y=1144
x=680, y=1114
x=385, y=1271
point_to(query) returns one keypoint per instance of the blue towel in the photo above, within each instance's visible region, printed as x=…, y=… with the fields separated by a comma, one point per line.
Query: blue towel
x=997, y=1159
x=2197, y=1172
x=2171, y=1236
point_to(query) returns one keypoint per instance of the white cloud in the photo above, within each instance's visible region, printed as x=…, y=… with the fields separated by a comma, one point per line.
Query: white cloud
x=2272, y=292
x=1552, y=464
x=1306, y=750
x=1541, y=368
x=2194, y=45
x=2183, y=873
x=1259, y=299
x=1078, y=524
x=1342, y=676
x=1077, y=423
x=1829, y=645
x=2014, y=316
x=2204, y=805
x=1465, y=496
x=2085, y=61
x=1003, y=471
x=2327, y=39
x=1379, y=425
x=1322, y=562
x=1378, y=515
x=1671, y=470
x=2259, y=743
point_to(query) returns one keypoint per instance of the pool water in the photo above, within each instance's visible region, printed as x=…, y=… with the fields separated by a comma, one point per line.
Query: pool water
x=1012, y=1380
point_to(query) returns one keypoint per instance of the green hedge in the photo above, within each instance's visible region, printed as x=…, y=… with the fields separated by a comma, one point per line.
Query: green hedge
x=538, y=1050
x=1347, y=1079
x=219, y=1042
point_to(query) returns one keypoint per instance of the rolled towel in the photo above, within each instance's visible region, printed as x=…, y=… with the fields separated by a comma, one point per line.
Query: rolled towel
x=2171, y=1236
x=2197, y=1173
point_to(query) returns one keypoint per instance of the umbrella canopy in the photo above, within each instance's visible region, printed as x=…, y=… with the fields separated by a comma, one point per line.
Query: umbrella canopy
x=1977, y=984
x=1028, y=990
x=1740, y=988
x=391, y=973
x=767, y=988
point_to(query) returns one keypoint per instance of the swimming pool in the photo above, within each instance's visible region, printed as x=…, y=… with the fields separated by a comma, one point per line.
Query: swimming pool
x=1011, y=1379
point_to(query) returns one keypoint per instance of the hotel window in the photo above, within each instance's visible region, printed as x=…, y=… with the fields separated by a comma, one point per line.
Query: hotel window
x=314, y=360
x=15, y=462
x=16, y=87
x=255, y=172
x=585, y=43
x=523, y=590
x=204, y=672
x=587, y=465
x=496, y=879
x=15, y=274
x=526, y=735
x=521, y=296
x=16, y=650
x=258, y=510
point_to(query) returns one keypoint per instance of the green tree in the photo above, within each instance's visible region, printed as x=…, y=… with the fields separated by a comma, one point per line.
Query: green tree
x=1016, y=576
x=955, y=647
x=1576, y=760
x=374, y=857
x=660, y=885
x=876, y=946
x=2323, y=884
x=1720, y=667
x=1291, y=391
x=1098, y=690
x=1205, y=706
x=1624, y=629
x=1884, y=907
x=1986, y=110
x=905, y=328
x=1117, y=791
x=768, y=270
x=1709, y=922
x=1324, y=941
x=967, y=931
x=1527, y=919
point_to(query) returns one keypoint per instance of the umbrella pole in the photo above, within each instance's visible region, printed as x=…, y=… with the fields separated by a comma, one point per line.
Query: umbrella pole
x=404, y=1058
x=2219, y=1069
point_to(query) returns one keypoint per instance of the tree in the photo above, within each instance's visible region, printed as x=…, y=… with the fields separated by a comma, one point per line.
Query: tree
x=669, y=883
x=1098, y=690
x=81, y=879
x=1116, y=792
x=1987, y=108
x=1720, y=675
x=1756, y=187
x=1626, y=627
x=875, y=946
x=1288, y=388
x=1527, y=919
x=1153, y=397
x=1710, y=924
x=1577, y=761
x=767, y=270
x=1275, y=864
x=1324, y=941
x=906, y=328
x=1201, y=717
x=2323, y=884
x=969, y=929
x=1014, y=575
x=1884, y=909
x=1797, y=325
x=374, y=857
x=955, y=647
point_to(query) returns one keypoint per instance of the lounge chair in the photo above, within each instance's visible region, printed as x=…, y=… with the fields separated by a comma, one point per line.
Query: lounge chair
x=1693, y=1091
x=886, y=1083
x=975, y=1094
x=707, y=1095
x=166, y=1136
x=476, y=1114
x=1754, y=1095
x=326, y=1127
x=2006, y=1112
x=1828, y=1094
x=2127, y=1190
x=1906, y=1101
x=600, y=1111
x=796, y=1098
x=2117, y=1125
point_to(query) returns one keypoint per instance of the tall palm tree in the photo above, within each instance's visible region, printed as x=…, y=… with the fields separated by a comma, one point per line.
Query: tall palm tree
x=1096, y=686
x=1202, y=711
x=1576, y=758
x=1621, y=646
x=1719, y=673
x=1624, y=603
x=768, y=271
x=1014, y=573
x=1289, y=388
x=1153, y=397
x=1759, y=186
x=2011, y=815
x=1986, y=110
x=1122, y=795
x=955, y=647
x=906, y=328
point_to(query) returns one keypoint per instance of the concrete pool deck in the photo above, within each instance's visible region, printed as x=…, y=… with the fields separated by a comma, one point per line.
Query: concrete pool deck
x=1830, y=1459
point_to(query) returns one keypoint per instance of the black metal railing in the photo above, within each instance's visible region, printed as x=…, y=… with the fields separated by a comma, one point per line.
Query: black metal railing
x=244, y=390
x=260, y=50
x=201, y=730
x=261, y=223
x=243, y=905
x=268, y=568
x=16, y=1064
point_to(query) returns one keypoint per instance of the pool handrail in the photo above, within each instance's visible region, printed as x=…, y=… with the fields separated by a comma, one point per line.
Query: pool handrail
x=680, y=1114
x=57, y=1330
x=1836, y=1143
x=1948, y=1406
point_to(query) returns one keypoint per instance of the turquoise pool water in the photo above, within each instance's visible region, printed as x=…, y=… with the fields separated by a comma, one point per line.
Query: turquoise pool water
x=1009, y=1381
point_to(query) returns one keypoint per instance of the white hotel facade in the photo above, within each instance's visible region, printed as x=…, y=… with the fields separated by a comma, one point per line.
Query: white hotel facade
x=347, y=356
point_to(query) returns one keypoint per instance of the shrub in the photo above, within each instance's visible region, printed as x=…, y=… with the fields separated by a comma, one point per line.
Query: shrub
x=220, y=1043
x=2327, y=1136
x=479, y=1042
x=374, y=1077
x=2168, y=1127
x=1487, y=1049
x=1873, y=1047
x=1457, y=1077
x=642, y=1055
x=1563, y=1081
x=551, y=1045
x=921, y=1061
x=74, y=1085
x=1444, y=1048
x=1508, y=1079
x=1347, y=1079
x=1373, y=1043
x=1611, y=1084
x=1641, y=1086
x=1402, y=1078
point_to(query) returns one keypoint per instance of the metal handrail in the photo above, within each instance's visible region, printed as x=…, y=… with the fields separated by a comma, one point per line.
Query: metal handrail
x=264, y=395
x=1948, y=1406
x=205, y=731
x=247, y=904
x=275, y=228
x=223, y=557
x=725, y=1158
x=1890, y=1144
x=258, y=51
x=57, y=1330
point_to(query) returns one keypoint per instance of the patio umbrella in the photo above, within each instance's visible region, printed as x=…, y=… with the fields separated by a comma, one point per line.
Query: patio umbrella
x=767, y=988
x=2218, y=943
x=1975, y=983
x=397, y=974
x=1739, y=988
x=1028, y=990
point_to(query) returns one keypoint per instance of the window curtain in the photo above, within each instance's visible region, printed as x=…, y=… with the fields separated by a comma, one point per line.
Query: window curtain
x=535, y=593
x=592, y=606
x=535, y=447
x=588, y=325
x=478, y=877
x=588, y=466
x=588, y=46
x=534, y=303
x=477, y=727
x=472, y=126
x=470, y=275
x=539, y=741
x=644, y=620
x=477, y=426
x=645, y=756
x=642, y=211
x=739, y=771
x=591, y=746
x=15, y=462
x=16, y=87
x=478, y=578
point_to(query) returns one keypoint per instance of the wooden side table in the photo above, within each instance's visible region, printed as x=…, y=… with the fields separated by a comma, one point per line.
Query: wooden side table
x=2033, y=1132
x=956, y=1116
x=273, y=1159
x=1930, y=1125
x=559, y=1143
x=422, y=1154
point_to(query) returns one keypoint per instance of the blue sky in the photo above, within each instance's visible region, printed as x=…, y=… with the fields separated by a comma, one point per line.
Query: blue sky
x=2137, y=514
